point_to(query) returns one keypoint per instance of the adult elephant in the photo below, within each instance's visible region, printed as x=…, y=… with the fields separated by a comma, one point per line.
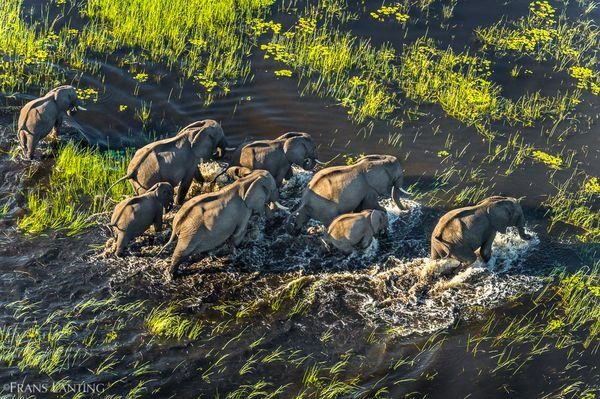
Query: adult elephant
x=337, y=190
x=461, y=232
x=277, y=156
x=45, y=114
x=207, y=221
x=175, y=160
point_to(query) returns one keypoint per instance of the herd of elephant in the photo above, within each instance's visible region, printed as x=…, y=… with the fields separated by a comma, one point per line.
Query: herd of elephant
x=343, y=198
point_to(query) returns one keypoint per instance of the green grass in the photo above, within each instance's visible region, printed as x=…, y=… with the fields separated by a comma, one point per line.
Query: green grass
x=75, y=191
x=543, y=35
x=167, y=323
x=207, y=40
x=573, y=205
x=33, y=54
x=338, y=65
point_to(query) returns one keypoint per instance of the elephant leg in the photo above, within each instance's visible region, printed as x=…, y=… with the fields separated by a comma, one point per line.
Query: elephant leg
x=486, y=249
x=182, y=251
x=240, y=232
x=370, y=202
x=183, y=189
x=297, y=220
x=121, y=242
x=198, y=176
x=283, y=174
x=31, y=144
x=23, y=141
x=463, y=255
x=344, y=247
x=366, y=240
x=158, y=221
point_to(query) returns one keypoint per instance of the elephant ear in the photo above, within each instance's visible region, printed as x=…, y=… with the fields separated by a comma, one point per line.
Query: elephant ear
x=296, y=149
x=501, y=214
x=378, y=221
x=257, y=195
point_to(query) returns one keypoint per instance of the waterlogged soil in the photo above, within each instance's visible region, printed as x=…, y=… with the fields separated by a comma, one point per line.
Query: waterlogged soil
x=278, y=307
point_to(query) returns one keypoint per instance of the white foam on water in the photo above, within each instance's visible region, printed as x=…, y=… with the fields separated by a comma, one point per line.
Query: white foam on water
x=423, y=296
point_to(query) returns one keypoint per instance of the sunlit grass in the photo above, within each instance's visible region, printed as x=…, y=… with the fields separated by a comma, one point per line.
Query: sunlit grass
x=168, y=323
x=543, y=35
x=75, y=190
x=573, y=204
x=205, y=39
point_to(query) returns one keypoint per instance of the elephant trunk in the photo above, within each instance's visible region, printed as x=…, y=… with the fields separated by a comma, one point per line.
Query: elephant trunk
x=397, y=192
x=521, y=227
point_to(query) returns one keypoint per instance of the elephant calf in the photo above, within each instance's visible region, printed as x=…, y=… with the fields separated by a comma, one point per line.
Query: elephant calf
x=207, y=221
x=277, y=156
x=461, y=232
x=356, y=230
x=40, y=116
x=132, y=216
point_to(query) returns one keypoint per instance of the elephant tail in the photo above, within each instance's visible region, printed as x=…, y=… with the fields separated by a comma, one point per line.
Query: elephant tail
x=127, y=176
x=171, y=240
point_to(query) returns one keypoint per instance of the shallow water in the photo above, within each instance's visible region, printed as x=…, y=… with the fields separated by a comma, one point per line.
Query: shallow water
x=279, y=304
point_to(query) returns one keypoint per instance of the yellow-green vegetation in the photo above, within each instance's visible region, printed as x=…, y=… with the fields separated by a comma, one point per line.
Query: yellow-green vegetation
x=573, y=204
x=553, y=161
x=75, y=189
x=168, y=323
x=337, y=65
x=30, y=53
x=397, y=11
x=545, y=36
x=206, y=39
x=460, y=83
x=564, y=319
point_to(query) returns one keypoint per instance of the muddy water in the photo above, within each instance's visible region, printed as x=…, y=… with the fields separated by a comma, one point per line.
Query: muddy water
x=370, y=310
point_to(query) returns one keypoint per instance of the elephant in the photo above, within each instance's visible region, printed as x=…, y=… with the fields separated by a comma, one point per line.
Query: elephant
x=175, y=160
x=277, y=156
x=336, y=190
x=355, y=230
x=132, y=216
x=207, y=221
x=45, y=114
x=460, y=232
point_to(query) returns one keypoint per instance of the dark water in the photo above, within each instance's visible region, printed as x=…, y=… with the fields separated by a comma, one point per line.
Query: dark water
x=368, y=310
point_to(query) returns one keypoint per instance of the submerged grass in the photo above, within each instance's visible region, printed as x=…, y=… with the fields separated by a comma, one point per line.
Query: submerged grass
x=75, y=190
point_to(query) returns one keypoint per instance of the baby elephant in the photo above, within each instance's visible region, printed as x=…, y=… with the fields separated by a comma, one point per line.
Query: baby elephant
x=45, y=114
x=132, y=216
x=461, y=232
x=355, y=230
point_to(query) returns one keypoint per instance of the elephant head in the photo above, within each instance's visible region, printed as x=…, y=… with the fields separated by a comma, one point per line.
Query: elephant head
x=206, y=138
x=164, y=193
x=379, y=221
x=66, y=99
x=261, y=190
x=237, y=172
x=300, y=149
x=504, y=212
x=384, y=175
